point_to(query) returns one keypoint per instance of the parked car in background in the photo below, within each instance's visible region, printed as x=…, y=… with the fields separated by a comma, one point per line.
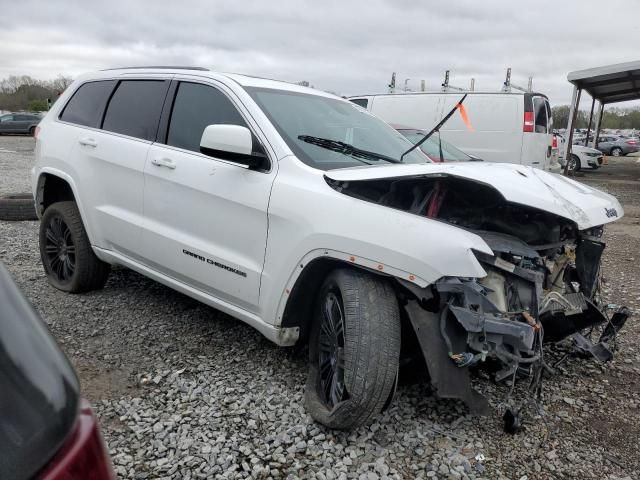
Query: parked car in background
x=25, y=123
x=47, y=431
x=581, y=156
x=617, y=146
x=434, y=147
x=506, y=127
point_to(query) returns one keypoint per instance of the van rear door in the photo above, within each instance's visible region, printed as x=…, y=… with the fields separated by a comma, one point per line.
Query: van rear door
x=537, y=132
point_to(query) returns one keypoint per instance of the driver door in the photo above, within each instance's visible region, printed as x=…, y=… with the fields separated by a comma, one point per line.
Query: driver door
x=205, y=217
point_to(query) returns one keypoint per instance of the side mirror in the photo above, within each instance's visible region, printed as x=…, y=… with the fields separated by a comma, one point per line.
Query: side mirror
x=230, y=142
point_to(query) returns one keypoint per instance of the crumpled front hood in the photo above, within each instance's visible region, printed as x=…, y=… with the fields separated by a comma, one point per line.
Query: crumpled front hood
x=553, y=193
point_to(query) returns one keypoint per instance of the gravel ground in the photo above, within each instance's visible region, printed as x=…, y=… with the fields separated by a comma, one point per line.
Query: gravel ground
x=184, y=391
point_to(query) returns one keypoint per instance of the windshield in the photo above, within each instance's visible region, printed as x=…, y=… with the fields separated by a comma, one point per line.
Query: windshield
x=432, y=149
x=308, y=123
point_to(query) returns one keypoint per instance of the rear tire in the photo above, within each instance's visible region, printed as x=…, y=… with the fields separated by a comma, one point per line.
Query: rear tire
x=32, y=131
x=354, y=349
x=67, y=256
x=616, y=152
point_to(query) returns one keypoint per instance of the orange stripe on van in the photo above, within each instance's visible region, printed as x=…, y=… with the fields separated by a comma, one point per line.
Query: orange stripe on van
x=465, y=117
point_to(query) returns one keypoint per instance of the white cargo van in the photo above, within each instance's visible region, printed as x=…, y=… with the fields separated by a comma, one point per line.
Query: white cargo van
x=507, y=127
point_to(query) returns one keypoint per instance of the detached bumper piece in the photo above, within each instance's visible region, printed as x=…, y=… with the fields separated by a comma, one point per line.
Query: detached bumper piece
x=448, y=380
x=602, y=350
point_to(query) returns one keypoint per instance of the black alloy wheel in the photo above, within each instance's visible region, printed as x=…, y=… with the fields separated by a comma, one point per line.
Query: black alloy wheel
x=67, y=256
x=331, y=350
x=59, y=249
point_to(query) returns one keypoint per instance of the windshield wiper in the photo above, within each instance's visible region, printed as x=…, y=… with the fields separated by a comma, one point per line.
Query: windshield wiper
x=347, y=149
x=436, y=128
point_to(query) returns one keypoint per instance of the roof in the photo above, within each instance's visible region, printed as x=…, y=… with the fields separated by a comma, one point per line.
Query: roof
x=611, y=83
x=243, y=80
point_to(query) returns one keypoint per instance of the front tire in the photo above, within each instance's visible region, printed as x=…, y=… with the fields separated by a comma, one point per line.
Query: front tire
x=67, y=256
x=354, y=349
x=616, y=152
x=574, y=163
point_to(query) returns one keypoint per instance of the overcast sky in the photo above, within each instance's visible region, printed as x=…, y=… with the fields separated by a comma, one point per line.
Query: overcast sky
x=349, y=47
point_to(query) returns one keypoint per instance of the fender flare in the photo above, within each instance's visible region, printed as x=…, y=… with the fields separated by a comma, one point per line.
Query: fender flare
x=39, y=193
x=345, y=258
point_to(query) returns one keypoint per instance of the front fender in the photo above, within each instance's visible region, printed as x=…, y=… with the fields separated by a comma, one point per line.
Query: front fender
x=309, y=219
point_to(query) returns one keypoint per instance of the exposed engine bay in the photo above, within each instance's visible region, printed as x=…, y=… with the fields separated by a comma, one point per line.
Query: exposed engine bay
x=542, y=284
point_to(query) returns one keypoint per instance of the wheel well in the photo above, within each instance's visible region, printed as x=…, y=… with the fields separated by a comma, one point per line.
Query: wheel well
x=299, y=309
x=52, y=189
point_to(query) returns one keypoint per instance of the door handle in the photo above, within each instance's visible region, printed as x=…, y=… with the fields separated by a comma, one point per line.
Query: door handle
x=88, y=142
x=164, y=162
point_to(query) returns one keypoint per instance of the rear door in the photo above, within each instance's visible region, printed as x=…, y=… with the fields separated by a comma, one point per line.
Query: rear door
x=23, y=123
x=537, y=141
x=205, y=216
x=110, y=157
x=604, y=144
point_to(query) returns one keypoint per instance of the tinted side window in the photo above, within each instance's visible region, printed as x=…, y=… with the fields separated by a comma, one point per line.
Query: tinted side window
x=363, y=102
x=195, y=107
x=134, y=108
x=87, y=104
x=540, y=114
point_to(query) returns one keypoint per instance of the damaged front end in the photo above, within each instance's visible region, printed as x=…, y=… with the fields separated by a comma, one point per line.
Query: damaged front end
x=531, y=295
x=542, y=284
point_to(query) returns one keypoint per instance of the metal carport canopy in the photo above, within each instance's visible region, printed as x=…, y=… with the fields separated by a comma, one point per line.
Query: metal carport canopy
x=608, y=84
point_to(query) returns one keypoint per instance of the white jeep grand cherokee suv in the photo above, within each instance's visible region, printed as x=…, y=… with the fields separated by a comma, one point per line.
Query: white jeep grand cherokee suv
x=304, y=216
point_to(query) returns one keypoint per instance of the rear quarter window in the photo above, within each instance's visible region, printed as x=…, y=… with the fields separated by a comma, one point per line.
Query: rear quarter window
x=363, y=102
x=87, y=103
x=134, y=108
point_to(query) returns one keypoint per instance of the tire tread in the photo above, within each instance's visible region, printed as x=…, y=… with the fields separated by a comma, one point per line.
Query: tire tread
x=372, y=347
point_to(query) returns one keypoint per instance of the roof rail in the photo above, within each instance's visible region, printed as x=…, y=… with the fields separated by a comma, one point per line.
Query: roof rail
x=166, y=67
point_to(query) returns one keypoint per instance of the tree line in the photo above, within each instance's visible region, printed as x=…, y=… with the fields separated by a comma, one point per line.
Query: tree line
x=25, y=93
x=615, y=118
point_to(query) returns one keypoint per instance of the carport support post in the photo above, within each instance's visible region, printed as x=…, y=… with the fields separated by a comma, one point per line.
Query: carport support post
x=598, y=123
x=586, y=139
x=573, y=113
